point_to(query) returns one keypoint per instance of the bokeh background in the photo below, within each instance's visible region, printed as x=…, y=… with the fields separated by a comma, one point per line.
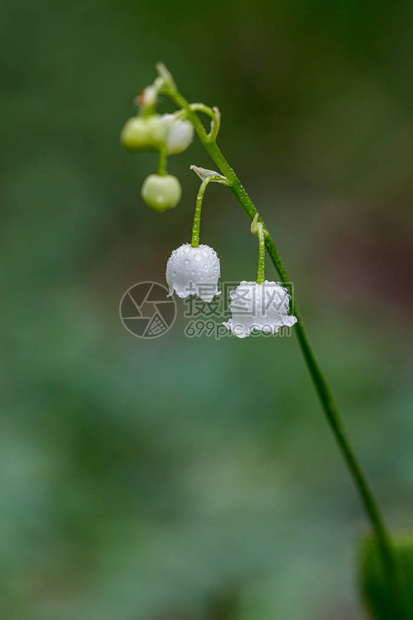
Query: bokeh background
x=195, y=479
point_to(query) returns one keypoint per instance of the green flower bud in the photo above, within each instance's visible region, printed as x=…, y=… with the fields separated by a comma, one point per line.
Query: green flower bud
x=161, y=192
x=144, y=133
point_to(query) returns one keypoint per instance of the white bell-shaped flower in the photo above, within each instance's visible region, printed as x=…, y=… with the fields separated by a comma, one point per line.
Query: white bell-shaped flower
x=263, y=307
x=193, y=271
x=180, y=134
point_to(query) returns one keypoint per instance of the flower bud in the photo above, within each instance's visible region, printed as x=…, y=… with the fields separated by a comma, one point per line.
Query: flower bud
x=193, y=271
x=180, y=134
x=144, y=133
x=161, y=192
x=263, y=307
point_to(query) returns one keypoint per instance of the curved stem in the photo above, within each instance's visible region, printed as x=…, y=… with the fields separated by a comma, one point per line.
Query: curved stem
x=215, y=116
x=320, y=383
x=261, y=254
x=198, y=208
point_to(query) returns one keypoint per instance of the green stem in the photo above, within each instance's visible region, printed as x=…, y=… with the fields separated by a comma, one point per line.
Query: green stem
x=261, y=254
x=198, y=208
x=320, y=383
x=162, y=163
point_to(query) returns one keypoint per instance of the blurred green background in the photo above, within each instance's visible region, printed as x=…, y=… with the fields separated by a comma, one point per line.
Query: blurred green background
x=181, y=479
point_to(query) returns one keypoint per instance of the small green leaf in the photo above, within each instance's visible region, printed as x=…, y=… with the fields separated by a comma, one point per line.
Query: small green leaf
x=373, y=583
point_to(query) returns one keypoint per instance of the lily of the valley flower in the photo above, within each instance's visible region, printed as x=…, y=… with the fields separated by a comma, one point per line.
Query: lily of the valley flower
x=263, y=307
x=193, y=271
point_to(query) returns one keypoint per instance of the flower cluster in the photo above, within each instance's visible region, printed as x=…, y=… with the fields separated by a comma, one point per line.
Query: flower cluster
x=194, y=269
x=257, y=306
x=169, y=134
